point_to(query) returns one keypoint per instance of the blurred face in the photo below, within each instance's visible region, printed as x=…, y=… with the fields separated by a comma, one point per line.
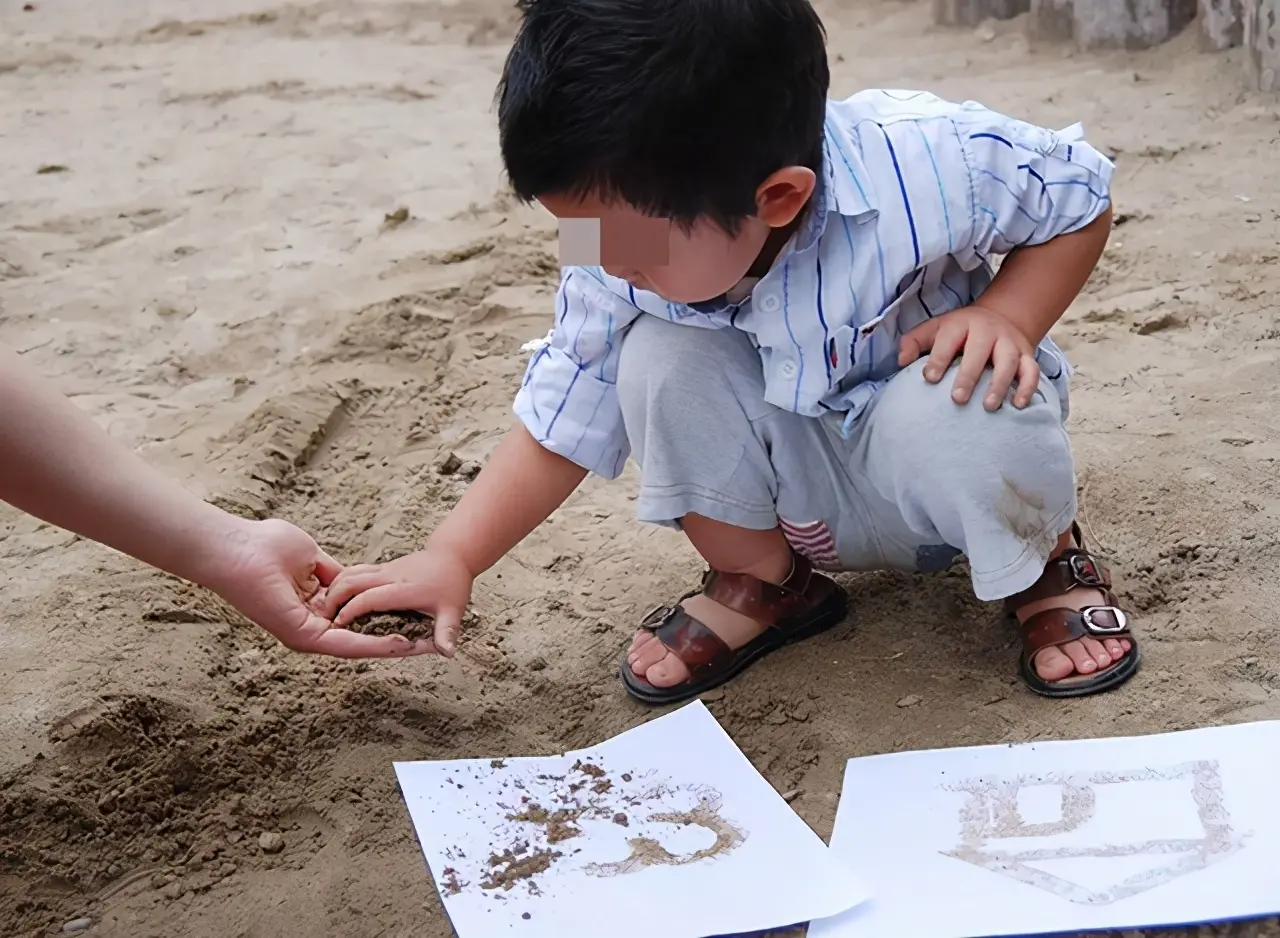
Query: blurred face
x=681, y=266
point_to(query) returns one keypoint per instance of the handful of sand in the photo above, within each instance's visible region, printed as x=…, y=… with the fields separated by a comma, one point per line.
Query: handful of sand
x=412, y=625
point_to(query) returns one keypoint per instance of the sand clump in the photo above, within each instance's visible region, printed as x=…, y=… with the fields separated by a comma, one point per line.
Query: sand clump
x=411, y=625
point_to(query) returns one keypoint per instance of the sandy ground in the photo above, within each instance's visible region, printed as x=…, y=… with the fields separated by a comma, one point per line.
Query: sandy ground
x=193, y=242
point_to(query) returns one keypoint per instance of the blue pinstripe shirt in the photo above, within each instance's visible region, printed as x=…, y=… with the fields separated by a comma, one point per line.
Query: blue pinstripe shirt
x=915, y=195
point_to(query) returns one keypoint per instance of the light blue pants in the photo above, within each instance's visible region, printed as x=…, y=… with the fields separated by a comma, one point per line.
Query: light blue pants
x=919, y=482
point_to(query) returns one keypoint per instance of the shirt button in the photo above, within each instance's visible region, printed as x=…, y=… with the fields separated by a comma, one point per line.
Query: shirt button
x=770, y=303
x=789, y=369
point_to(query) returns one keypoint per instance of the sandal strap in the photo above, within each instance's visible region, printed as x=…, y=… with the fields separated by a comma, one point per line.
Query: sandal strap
x=701, y=650
x=1074, y=568
x=1051, y=628
x=761, y=601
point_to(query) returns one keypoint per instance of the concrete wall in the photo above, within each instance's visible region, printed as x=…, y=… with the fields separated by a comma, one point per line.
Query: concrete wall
x=1140, y=24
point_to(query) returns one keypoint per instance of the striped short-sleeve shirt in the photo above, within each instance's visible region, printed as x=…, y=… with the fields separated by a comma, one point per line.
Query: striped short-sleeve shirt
x=915, y=196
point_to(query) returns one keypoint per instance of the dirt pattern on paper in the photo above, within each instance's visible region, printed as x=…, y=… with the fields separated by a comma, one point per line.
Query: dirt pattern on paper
x=212, y=275
x=646, y=852
x=544, y=812
x=991, y=812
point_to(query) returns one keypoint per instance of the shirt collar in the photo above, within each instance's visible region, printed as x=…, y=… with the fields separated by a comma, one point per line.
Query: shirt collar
x=843, y=185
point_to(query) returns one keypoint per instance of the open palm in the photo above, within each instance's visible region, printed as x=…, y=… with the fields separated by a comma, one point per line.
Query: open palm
x=277, y=576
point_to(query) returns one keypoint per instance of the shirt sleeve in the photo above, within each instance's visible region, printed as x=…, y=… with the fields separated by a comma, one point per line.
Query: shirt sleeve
x=568, y=399
x=1028, y=185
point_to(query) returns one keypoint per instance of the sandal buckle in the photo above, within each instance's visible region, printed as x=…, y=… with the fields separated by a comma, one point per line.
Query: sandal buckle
x=1084, y=570
x=1089, y=613
x=657, y=617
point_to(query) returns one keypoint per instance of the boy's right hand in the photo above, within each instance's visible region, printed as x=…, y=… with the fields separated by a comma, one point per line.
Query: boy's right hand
x=433, y=581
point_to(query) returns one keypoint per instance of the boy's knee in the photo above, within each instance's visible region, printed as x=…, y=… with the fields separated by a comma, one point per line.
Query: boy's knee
x=920, y=418
x=651, y=354
x=662, y=361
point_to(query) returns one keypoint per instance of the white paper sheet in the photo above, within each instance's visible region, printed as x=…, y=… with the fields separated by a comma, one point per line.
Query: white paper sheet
x=1172, y=829
x=668, y=830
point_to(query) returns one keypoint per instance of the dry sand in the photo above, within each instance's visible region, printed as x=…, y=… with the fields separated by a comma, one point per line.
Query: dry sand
x=211, y=274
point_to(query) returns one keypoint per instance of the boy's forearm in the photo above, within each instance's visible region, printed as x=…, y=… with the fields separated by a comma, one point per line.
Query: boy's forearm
x=1035, y=285
x=57, y=464
x=519, y=488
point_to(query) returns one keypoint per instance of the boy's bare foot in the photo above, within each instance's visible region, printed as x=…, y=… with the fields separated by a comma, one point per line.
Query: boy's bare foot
x=715, y=634
x=1084, y=656
x=653, y=662
x=1076, y=639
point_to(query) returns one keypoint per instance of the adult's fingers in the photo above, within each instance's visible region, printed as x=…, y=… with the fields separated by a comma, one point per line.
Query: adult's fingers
x=1004, y=368
x=448, y=625
x=1028, y=381
x=916, y=342
x=387, y=597
x=339, y=643
x=327, y=569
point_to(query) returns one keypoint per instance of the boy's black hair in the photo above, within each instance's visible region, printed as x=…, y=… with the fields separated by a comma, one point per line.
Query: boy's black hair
x=678, y=108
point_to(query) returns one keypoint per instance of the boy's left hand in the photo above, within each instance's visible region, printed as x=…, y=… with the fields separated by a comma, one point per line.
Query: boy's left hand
x=981, y=338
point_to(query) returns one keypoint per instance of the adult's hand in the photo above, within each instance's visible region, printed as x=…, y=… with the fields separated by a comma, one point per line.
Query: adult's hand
x=278, y=577
x=57, y=464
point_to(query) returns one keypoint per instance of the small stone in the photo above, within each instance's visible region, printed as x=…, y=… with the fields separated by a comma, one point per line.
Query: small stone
x=234, y=837
x=77, y=925
x=449, y=464
x=271, y=842
x=173, y=890
x=469, y=470
x=910, y=700
x=526, y=916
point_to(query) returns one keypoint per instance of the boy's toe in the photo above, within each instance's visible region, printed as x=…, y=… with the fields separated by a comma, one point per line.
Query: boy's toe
x=1053, y=665
x=652, y=661
x=639, y=641
x=668, y=672
x=645, y=652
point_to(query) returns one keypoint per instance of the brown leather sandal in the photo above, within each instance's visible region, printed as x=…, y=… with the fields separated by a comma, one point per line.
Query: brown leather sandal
x=1051, y=628
x=804, y=605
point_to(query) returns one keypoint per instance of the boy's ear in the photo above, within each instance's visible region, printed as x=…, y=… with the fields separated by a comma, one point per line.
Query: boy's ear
x=782, y=196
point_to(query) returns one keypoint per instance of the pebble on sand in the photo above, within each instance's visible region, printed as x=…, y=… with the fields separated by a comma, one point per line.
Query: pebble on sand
x=271, y=842
x=77, y=925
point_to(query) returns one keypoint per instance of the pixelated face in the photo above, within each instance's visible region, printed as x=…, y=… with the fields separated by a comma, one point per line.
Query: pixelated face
x=683, y=266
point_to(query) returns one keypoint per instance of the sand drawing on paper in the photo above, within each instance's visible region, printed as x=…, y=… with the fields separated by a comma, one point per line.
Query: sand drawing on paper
x=548, y=817
x=645, y=851
x=991, y=812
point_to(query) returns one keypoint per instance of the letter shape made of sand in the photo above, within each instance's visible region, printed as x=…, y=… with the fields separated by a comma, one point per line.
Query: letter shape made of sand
x=646, y=852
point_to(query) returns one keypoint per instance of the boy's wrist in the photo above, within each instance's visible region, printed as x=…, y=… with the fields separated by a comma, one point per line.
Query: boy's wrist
x=1024, y=317
x=443, y=542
